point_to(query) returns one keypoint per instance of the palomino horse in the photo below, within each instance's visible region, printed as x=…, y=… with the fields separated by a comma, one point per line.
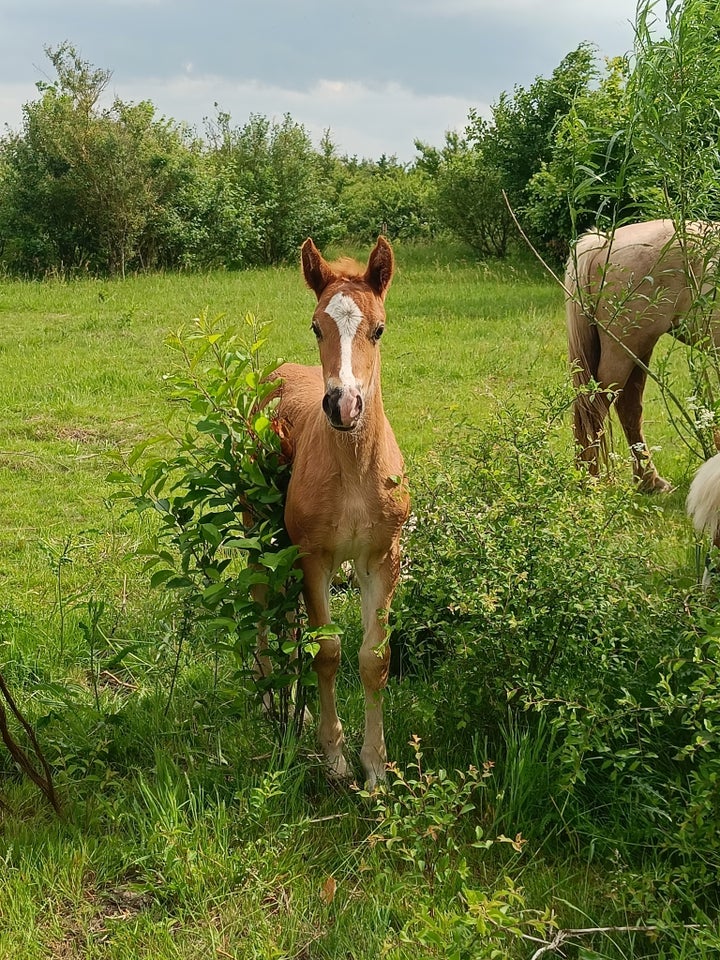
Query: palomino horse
x=625, y=290
x=347, y=498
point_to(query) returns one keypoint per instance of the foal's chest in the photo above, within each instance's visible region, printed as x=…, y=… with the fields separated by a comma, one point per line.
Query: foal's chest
x=344, y=518
x=358, y=520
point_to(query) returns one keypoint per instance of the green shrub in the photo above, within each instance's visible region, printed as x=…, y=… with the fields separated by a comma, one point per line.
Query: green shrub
x=538, y=630
x=217, y=488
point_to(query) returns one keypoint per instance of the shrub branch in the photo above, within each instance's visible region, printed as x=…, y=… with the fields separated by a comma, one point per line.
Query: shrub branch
x=42, y=780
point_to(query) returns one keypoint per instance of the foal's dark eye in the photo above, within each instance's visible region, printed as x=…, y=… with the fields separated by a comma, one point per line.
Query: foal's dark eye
x=377, y=333
x=316, y=330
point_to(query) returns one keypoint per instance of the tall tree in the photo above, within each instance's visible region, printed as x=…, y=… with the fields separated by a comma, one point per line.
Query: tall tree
x=83, y=184
x=521, y=135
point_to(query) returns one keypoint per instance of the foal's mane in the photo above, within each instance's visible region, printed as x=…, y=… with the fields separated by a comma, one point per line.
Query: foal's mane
x=347, y=268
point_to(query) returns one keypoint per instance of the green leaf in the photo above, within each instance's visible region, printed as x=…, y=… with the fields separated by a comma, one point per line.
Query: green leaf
x=161, y=576
x=215, y=590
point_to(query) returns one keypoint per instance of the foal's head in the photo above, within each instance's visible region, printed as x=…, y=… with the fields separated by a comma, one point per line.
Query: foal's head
x=348, y=323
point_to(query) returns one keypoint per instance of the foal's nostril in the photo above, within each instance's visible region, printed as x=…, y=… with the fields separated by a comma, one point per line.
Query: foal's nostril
x=326, y=405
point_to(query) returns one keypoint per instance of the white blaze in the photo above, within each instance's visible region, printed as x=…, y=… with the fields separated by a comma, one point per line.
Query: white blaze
x=348, y=317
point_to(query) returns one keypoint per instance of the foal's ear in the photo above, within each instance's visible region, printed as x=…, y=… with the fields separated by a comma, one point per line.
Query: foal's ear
x=317, y=271
x=380, y=268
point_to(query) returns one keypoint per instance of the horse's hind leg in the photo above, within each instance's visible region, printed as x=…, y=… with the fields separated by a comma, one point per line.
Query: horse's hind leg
x=377, y=581
x=629, y=406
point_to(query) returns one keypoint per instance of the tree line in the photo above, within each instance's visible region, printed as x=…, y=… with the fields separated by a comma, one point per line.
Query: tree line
x=107, y=190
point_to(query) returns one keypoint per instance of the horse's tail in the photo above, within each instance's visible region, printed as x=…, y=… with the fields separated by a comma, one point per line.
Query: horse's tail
x=703, y=499
x=584, y=356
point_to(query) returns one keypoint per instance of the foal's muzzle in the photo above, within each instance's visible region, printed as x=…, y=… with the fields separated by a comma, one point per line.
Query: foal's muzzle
x=343, y=407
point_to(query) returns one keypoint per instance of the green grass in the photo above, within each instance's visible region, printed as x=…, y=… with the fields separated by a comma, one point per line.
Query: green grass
x=183, y=834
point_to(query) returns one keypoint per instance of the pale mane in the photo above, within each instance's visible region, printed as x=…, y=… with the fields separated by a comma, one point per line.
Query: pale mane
x=348, y=268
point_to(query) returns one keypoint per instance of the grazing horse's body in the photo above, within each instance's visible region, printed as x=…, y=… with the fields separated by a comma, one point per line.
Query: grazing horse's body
x=347, y=497
x=624, y=291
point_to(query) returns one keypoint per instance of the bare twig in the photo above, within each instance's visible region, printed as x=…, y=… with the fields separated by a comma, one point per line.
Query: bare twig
x=117, y=681
x=564, y=935
x=42, y=780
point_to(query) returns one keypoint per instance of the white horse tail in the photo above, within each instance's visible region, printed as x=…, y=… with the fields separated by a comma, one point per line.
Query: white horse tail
x=584, y=352
x=703, y=499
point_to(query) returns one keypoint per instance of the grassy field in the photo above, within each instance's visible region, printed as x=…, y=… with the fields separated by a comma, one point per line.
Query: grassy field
x=183, y=834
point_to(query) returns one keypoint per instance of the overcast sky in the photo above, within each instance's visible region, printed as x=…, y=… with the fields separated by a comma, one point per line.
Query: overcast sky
x=378, y=73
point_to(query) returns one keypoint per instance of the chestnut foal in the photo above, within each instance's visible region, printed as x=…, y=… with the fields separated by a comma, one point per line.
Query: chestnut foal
x=347, y=498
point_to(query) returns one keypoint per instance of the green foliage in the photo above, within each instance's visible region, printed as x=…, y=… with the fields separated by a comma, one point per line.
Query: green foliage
x=467, y=195
x=425, y=820
x=485, y=925
x=520, y=137
x=672, y=95
x=421, y=814
x=220, y=544
x=274, y=169
x=585, y=181
x=482, y=565
x=641, y=143
x=108, y=190
x=656, y=741
x=531, y=606
x=385, y=197
x=83, y=186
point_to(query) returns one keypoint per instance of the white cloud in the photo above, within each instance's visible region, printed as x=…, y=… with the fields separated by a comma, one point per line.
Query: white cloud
x=363, y=120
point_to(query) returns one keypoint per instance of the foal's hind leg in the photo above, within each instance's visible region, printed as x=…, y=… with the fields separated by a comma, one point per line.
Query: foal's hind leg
x=629, y=406
x=377, y=579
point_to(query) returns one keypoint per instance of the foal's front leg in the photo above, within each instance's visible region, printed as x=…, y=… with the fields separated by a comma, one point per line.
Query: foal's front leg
x=316, y=593
x=377, y=578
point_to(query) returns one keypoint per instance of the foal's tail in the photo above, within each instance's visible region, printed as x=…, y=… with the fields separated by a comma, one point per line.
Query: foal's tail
x=584, y=356
x=703, y=499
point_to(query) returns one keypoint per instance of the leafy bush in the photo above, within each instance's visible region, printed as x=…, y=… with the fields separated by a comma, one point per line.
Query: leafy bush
x=386, y=198
x=218, y=488
x=467, y=196
x=531, y=606
x=427, y=821
x=273, y=170
x=515, y=546
x=83, y=187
